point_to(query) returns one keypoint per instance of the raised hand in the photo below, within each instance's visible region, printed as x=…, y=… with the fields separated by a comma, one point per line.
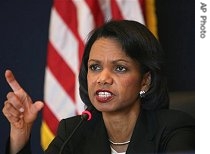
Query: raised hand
x=20, y=111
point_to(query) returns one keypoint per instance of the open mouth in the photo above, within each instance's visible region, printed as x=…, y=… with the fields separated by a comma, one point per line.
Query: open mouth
x=103, y=96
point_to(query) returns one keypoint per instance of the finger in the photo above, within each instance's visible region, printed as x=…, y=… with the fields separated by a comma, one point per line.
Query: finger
x=12, y=81
x=37, y=106
x=13, y=119
x=12, y=114
x=15, y=101
x=12, y=111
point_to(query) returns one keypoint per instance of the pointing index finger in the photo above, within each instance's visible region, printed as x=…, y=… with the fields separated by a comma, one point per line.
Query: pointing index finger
x=12, y=81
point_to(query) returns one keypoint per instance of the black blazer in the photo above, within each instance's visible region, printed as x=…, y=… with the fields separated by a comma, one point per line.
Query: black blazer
x=163, y=131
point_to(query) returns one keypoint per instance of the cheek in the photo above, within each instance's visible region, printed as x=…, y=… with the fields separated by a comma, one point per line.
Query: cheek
x=132, y=84
x=90, y=81
x=89, y=86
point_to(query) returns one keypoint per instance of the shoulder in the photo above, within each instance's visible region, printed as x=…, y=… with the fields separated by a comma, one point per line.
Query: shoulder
x=68, y=125
x=165, y=121
x=174, y=118
x=175, y=130
x=69, y=122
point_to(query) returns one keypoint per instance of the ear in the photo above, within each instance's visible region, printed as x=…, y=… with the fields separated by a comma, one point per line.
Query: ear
x=146, y=81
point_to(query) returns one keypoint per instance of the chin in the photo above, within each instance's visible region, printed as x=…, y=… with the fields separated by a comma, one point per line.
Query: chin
x=103, y=107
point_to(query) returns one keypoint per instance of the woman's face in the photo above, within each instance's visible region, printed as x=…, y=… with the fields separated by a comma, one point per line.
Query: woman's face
x=114, y=79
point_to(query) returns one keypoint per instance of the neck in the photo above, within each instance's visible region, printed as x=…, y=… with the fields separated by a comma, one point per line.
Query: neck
x=120, y=126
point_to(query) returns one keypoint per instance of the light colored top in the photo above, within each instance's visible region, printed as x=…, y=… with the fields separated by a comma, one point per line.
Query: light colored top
x=115, y=152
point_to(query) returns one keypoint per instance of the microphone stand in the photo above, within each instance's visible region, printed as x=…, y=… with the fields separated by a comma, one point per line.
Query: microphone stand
x=85, y=116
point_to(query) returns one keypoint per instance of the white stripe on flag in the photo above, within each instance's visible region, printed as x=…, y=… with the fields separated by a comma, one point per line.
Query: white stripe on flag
x=64, y=41
x=131, y=10
x=56, y=98
x=85, y=18
x=106, y=10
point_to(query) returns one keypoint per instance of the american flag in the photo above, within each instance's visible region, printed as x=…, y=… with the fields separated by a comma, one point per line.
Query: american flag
x=70, y=23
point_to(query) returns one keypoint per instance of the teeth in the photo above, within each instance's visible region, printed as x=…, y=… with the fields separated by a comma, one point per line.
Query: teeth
x=104, y=94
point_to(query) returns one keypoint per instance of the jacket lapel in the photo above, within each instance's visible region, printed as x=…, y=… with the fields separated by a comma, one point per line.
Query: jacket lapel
x=97, y=139
x=142, y=140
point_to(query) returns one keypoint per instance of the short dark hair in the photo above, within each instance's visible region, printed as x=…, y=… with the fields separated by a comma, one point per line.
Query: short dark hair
x=140, y=45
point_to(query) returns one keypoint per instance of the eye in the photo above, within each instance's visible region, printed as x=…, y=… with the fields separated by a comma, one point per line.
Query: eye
x=95, y=67
x=121, y=69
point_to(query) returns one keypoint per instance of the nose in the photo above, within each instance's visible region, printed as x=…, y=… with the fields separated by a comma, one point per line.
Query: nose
x=105, y=77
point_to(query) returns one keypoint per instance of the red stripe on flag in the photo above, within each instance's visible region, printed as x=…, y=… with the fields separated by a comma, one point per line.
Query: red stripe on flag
x=96, y=12
x=142, y=6
x=50, y=119
x=57, y=65
x=116, y=13
x=68, y=13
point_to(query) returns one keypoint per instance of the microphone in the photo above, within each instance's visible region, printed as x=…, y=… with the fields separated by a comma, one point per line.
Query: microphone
x=85, y=116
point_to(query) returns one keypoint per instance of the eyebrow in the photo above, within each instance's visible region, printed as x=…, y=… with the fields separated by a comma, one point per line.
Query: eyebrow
x=114, y=61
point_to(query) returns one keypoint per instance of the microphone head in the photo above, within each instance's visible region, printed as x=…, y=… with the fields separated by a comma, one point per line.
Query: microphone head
x=87, y=114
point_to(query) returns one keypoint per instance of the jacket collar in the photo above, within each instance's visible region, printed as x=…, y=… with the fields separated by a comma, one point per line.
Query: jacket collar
x=141, y=140
x=143, y=135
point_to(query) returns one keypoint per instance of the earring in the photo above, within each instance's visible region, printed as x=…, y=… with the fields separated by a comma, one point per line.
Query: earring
x=141, y=93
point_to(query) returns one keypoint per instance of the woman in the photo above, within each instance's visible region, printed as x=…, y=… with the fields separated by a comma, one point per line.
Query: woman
x=121, y=76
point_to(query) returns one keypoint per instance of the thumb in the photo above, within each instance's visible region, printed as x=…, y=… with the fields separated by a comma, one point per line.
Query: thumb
x=37, y=106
